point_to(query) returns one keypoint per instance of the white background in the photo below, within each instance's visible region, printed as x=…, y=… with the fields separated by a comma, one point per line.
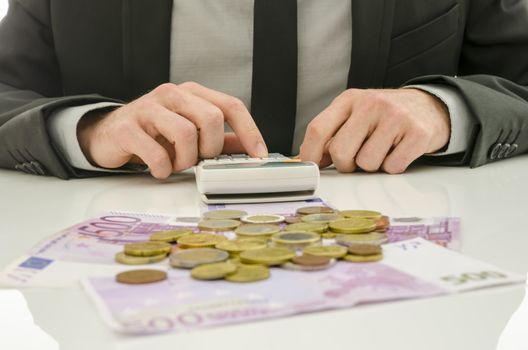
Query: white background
x=3, y=8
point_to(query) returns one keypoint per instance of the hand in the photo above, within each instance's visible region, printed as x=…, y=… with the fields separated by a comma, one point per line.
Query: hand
x=377, y=129
x=169, y=129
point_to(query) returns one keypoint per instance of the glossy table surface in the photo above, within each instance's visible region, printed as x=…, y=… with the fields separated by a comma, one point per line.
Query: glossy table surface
x=491, y=201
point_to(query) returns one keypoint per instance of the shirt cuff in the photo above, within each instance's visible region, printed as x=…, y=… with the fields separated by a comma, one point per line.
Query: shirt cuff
x=459, y=115
x=62, y=126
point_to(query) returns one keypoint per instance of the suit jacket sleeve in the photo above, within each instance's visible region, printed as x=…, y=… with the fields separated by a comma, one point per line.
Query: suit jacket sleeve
x=30, y=90
x=493, y=79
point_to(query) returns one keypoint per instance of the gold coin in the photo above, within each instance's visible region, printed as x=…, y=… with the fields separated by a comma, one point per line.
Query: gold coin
x=316, y=227
x=147, y=248
x=321, y=218
x=292, y=219
x=267, y=256
x=359, y=258
x=383, y=223
x=218, y=225
x=213, y=271
x=329, y=251
x=122, y=258
x=300, y=267
x=170, y=236
x=295, y=239
x=200, y=240
x=249, y=273
x=239, y=245
x=353, y=226
x=328, y=235
x=364, y=249
x=368, y=238
x=315, y=210
x=257, y=230
x=224, y=214
x=190, y=258
x=141, y=276
x=263, y=219
x=364, y=214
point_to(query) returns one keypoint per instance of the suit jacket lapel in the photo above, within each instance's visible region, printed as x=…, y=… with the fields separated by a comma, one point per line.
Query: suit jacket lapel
x=371, y=37
x=146, y=44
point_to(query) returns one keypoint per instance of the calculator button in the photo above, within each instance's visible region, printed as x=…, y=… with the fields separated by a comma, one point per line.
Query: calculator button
x=223, y=157
x=239, y=156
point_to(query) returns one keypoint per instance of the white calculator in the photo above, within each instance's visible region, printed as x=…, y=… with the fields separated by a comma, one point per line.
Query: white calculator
x=237, y=178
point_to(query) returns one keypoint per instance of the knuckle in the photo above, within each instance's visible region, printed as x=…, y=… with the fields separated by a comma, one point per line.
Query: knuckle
x=188, y=133
x=165, y=88
x=347, y=95
x=216, y=117
x=235, y=104
x=190, y=85
x=314, y=130
x=420, y=132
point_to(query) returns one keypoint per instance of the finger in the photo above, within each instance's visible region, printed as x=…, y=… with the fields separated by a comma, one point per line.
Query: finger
x=348, y=141
x=181, y=133
x=409, y=149
x=208, y=118
x=375, y=149
x=323, y=127
x=139, y=143
x=232, y=144
x=237, y=116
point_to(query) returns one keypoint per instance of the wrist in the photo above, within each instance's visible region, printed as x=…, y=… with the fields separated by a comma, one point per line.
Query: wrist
x=87, y=130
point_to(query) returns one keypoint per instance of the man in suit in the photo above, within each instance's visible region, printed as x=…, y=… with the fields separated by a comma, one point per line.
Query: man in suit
x=94, y=86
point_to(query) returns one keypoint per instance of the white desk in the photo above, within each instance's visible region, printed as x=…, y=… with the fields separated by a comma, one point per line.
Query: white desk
x=491, y=201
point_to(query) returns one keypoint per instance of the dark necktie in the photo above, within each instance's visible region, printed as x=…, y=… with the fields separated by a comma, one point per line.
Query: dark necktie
x=274, y=85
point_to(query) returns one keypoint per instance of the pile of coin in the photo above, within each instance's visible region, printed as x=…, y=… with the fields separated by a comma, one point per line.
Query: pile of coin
x=311, y=240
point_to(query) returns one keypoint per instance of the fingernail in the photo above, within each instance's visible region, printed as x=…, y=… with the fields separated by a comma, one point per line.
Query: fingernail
x=262, y=151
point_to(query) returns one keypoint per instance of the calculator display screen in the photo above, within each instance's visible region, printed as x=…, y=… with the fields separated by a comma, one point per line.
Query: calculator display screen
x=257, y=165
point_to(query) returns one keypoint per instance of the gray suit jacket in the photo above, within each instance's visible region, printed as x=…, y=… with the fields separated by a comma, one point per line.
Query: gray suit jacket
x=59, y=53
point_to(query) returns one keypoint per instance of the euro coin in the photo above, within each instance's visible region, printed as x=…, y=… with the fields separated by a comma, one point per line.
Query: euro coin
x=249, y=273
x=292, y=219
x=263, y=219
x=141, y=276
x=239, y=245
x=368, y=238
x=383, y=223
x=190, y=258
x=329, y=251
x=224, y=214
x=257, y=230
x=218, y=225
x=321, y=218
x=310, y=260
x=267, y=256
x=295, y=239
x=316, y=227
x=147, y=248
x=363, y=214
x=122, y=258
x=200, y=240
x=213, y=271
x=352, y=226
x=364, y=249
x=360, y=259
x=170, y=236
x=299, y=267
x=315, y=210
